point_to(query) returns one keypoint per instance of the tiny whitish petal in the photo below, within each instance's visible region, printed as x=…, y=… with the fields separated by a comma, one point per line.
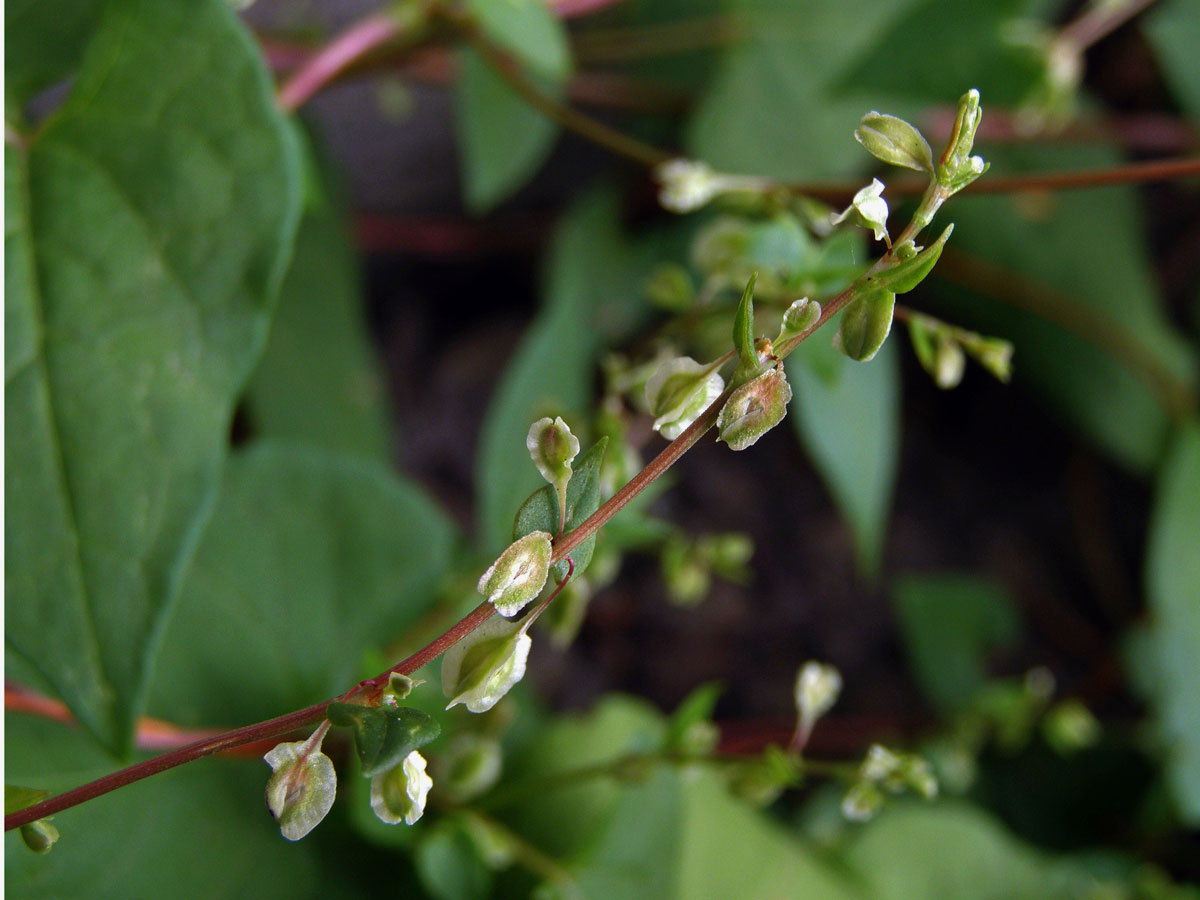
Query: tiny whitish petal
x=519, y=574
x=399, y=794
x=301, y=789
x=868, y=208
x=483, y=666
x=686, y=185
x=817, y=689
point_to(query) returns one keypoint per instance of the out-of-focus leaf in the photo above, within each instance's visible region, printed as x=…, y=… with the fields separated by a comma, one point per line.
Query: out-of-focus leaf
x=201, y=831
x=1173, y=29
x=310, y=558
x=771, y=108
x=1173, y=589
x=44, y=43
x=954, y=850
x=1088, y=246
x=847, y=415
x=975, y=49
x=949, y=623
x=540, y=511
x=529, y=30
x=449, y=865
x=319, y=379
x=153, y=217
x=502, y=139
x=594, y=293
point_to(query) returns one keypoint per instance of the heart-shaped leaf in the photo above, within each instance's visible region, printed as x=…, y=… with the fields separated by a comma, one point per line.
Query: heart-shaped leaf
x=383, y=735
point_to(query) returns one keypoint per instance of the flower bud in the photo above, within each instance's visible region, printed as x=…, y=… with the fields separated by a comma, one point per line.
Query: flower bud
x=39, y=836
x=880, y=764
x=862, y=802
x=994, y=354
x=1069, y=726
x=802, y=315
x=817, y=689
x=470, y=766
x=483, y=666
x=754, y=409
x=302, y=786
x=957, y=168
x=868, y=209
x=894, y=141
x=949, y=363
x=552, y=448
x=685, y=185
x=519, y=574
x=399, y=687
x=670, y=287
x=679, y=391
x=865, y=324
x=399, y=794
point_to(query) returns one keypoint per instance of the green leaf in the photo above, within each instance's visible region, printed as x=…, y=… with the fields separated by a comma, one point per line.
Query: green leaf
x=383, y=735
x=43, y=44
x=540, y=511
x=449, y=865
x=529, y=30
x=1173, y=29
x=772, y=107
x=949, y=623
x=552, y=370
x=320, y=379
x=16, y=798
x=695, y=709
x=153, y=217
x=1103, y=280
x=907, y=274
x=503, y=140
x=847, y=416
x=1173, y=590
x=311, y=557
x=201, y=831
x=743, y=325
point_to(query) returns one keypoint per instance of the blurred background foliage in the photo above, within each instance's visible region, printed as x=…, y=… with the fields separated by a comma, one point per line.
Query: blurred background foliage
x=268, y=378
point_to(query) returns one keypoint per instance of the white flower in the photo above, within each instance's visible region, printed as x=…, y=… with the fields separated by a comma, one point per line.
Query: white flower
x=868, y=209
x=399, y=793
x=483, y=666
x=678, y=392
x=302, y=786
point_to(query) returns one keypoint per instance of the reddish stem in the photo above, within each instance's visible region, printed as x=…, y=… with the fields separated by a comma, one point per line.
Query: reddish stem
x=331, y=60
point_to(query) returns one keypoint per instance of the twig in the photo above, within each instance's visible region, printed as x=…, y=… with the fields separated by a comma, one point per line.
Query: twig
x=351, y=45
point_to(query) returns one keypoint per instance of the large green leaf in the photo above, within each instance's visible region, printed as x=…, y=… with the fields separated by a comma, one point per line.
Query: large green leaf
x=1087, y=247
x=953, y=850
x=772, y=108
x=589, y=286
x=199, y=832
x=319, y=379
x=502, y=139
x=949, y=622
x=43, y=44
x=1173, y=29
x=529, y=30
x=311, y=557
x=1173, y=588
x=847, y=415
x=152, y=220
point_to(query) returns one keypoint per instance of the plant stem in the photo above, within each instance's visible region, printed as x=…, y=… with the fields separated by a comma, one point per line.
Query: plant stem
x=326, y=64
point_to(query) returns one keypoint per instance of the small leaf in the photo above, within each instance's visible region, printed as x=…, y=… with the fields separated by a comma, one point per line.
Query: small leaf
x=540, y=511
x=16, y=798
x=865, y=324
x=530, y=30
x=894, y=141
x=743, y=327
x=383, y=735
x=907, y=274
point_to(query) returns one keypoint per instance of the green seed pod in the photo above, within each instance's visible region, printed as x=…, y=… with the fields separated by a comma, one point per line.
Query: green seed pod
x=802, y=315
x=39, y=836
x=865, y=324
x=754, y=409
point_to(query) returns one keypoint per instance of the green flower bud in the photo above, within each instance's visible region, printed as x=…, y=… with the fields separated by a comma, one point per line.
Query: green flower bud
x=949, y=364
x=679, y=391
x=802, y=315
x=862, y=802
x=817, y=689
x=865, y=324
x=470, y=766
x=754, y=409
x=670, y=287
x=563, y=618
x=919, y=777
x=880, y=764
x=727, y=553
x=483, y=666
x=302, y=785
x=1069, y=726
x=957, y=168
x=39, y=836
x=685, y=572
x=686, y=185
x=994, y=354
x=868, y=209
x=552, y=448
x=399, y=794
x=399, y=687
x=519, y=574
x=894, y=141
